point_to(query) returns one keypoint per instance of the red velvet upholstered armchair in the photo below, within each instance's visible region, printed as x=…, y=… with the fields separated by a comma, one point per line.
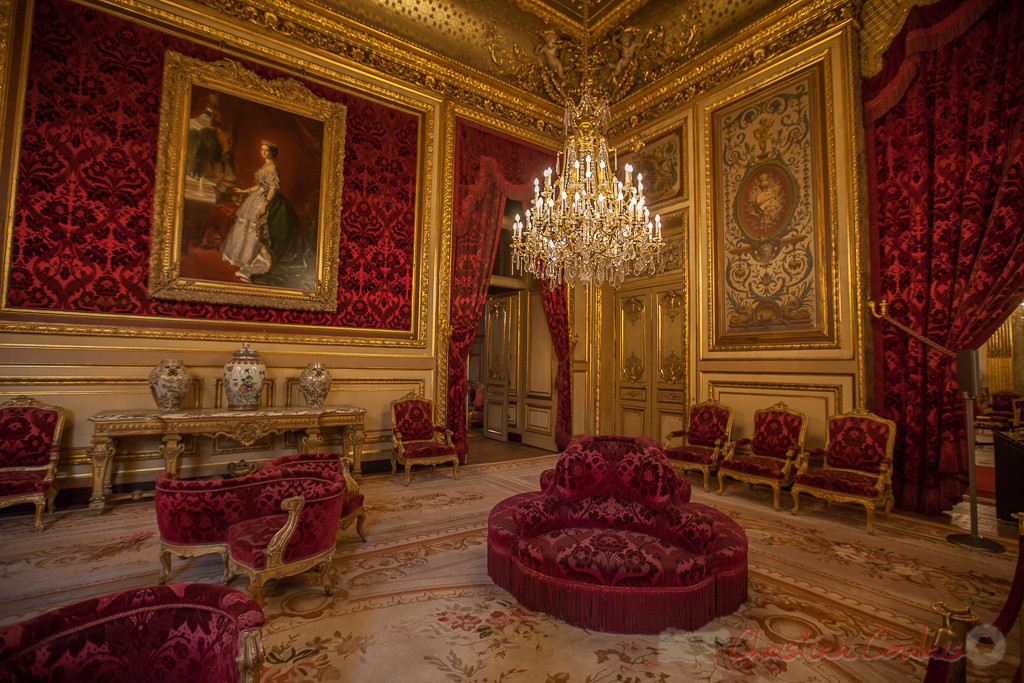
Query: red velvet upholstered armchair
x=267, y=525
x=417, y=440
x=857, y=467
x=187, y=632
x=351, y=500
x=612, y=543
x=769, y=457
x=705, y=439
x=29, y=449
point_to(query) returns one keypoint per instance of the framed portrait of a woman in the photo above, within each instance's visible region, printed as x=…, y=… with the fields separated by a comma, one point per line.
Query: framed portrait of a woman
x=247, y=203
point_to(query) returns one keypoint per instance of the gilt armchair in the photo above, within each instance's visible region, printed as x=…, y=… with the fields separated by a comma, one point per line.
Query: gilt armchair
x=29, y=448
x=417, y=440
x=706, y=437
x=769, y=457
x=857, y=466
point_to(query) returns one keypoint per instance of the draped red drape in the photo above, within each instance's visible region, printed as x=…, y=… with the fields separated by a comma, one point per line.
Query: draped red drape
x=945, y=163
x=489, y=169
x=556, y=311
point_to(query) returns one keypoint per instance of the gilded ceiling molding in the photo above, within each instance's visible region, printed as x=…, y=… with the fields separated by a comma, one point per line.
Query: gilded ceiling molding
x=376, y=51
x=773, y=36
x=881, y=21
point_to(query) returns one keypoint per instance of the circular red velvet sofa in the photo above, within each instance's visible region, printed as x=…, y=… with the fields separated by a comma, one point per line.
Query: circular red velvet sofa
x=612, y=543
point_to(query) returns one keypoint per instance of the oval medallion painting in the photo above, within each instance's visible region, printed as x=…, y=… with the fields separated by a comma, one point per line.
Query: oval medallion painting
x=765, y=200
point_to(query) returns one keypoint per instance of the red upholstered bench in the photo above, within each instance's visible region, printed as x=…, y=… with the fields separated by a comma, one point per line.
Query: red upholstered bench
x=612, y=543
x=188, y=632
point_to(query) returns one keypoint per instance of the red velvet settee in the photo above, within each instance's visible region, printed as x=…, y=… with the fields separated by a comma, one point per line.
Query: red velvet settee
x=187, y=632
x=613, y=544
x=256, y=523
x=352, y=508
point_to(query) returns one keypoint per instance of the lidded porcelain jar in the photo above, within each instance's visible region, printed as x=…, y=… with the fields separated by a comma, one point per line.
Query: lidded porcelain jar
x=244, y=375
x=315, y=382
x=169, y=381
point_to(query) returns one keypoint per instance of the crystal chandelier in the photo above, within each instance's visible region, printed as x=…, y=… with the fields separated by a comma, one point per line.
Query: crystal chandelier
x=585, y=224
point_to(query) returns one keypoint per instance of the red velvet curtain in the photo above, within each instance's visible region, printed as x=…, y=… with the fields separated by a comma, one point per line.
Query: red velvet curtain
x=945, y=164
x=556, y=311
x=489, y=169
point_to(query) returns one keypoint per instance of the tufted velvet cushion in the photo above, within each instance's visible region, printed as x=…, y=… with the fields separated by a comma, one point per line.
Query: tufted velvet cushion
x=248, y=540
x=695, y=454
x=26, y=436
x=762, y=467
x=857, y=443
x=427, y=449
x=188, y=632
x=775, y=433
x=16, y=483
x=611, y=557
x=414, y=419
x=632, y=468
x=840, y=482
x=315, y=463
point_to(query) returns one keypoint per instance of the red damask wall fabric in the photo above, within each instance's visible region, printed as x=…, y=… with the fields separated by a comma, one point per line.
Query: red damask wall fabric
x=489, y=168
x=86, y=179
x=556, y=312
x=946, y=184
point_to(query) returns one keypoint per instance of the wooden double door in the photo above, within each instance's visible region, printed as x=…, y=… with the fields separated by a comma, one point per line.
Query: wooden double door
x=519, y=371
x=650, y=359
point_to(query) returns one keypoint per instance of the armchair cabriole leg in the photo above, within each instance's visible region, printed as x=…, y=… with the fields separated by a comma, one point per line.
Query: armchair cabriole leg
x=721, y=483
x=360, y=519
x=871, y=519
x=408, y=473
x=39, y=515
x=796, y=501
x=707, y=476
x=776, y=491
x=165, y=563
x=325, y=577
x=455, y=469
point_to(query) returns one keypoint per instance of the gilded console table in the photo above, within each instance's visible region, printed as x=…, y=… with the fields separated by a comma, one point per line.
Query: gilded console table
x=246, y=427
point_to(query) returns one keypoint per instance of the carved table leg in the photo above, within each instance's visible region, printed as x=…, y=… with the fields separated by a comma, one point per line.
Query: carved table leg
x=356, y=435
x=101, y=454
x=312, y=442
x=171, y=450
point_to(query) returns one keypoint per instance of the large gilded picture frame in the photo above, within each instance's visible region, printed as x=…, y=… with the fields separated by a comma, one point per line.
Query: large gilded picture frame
x=771, y=189
x=248, y=192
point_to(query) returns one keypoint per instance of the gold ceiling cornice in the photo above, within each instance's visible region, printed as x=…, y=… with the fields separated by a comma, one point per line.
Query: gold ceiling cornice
x=338, y=38
x=770, y=37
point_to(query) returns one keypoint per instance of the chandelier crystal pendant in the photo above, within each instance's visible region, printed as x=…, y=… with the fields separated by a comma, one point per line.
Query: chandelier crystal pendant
x=585, y=224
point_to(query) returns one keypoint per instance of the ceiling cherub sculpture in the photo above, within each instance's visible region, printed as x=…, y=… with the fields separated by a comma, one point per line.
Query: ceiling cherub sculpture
x=615, y=64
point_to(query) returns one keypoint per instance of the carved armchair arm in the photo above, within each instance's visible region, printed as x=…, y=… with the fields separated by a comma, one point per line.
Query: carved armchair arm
x=351, y=486
x=884, y=477
x=676, y=434
x=446, y=433
x=279, y=541
x=731, y=447
x=804, y=458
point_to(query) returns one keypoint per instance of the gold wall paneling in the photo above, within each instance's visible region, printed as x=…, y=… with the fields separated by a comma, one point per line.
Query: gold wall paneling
x=652, y=379
x=817, y=397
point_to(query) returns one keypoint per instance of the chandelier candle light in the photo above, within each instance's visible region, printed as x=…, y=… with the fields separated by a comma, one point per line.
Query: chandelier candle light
x=587, y=225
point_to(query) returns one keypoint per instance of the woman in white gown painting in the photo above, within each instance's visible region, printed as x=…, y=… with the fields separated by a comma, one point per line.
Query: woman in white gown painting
x=268, y=243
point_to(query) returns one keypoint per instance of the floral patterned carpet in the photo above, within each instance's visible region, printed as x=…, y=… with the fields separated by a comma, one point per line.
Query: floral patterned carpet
x=827, y=601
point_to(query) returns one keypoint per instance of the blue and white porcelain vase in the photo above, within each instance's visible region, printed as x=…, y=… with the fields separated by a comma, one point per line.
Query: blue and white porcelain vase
x=315, y=382
x=244, y=376
x=169, y=381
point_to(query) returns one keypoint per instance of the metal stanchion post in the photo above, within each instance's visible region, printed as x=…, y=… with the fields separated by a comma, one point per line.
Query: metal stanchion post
x=973, y=539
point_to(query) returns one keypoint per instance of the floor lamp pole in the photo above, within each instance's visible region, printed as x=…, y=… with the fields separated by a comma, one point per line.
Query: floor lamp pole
x=973, y=539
